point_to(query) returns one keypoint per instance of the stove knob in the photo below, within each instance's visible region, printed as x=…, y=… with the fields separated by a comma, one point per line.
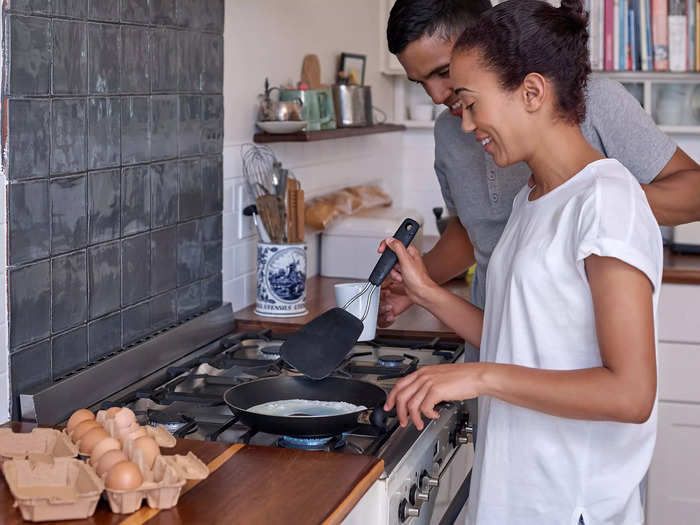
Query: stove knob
x=465, y=435
x=428, y=482
x=418, y=497
x=407, y=511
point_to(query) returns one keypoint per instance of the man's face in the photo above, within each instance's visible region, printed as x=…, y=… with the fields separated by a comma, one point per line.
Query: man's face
x=427, y=62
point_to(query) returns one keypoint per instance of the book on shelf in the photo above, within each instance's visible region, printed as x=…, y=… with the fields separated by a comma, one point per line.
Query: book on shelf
x=644, y=35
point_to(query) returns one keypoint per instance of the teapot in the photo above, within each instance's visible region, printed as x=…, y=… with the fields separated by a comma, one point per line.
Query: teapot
x=280, y=110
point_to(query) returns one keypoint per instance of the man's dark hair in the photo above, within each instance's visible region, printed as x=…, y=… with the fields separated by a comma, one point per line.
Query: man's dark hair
x=519, y=37
x=413, y=19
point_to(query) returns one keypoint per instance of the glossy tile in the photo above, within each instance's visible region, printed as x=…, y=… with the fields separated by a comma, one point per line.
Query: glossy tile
x=28, y=221
x=212, y=124
x=30, y=367
x=164, y=60
x=68, y=352
x=30, y=303
x=134, y=60
x=189, y=300
x=30, y=6
x=212, y=185
x=68, y=214
x=163, y=310
x=69, y=57
x=164, y=194
x=211, y=291
x=136, y=199
x=104, y=205
x=68, y=291
x=212, y=58
x=212, y=16
x=28, y=132
x=163, y=12
x=68, y=136
x=189, y=55
x=189, y=252
x=163, y=260
x=135, y=11
x=163, y=127
x=30, y=55
x=190, y=197
x=104, y=278
x=104, y=336
x=135, y=130
x=212, y=248
x=136, y=268
x=104, y=51
x=70, y=8
x=136, y=323
x=107, y=10
x=104, y=132
x=190, y=124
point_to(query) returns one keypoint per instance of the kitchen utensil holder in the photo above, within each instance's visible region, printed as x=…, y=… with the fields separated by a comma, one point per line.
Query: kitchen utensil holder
x=281, y=280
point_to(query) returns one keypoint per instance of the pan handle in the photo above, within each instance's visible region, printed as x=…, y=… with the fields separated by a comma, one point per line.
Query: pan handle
x=380, y=417
x=406, y=232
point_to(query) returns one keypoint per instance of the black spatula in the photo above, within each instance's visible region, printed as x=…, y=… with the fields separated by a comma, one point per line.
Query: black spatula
x=320, y=345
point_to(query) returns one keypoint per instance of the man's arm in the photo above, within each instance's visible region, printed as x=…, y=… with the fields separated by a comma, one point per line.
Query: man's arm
x=674, y=195
x=451, y=255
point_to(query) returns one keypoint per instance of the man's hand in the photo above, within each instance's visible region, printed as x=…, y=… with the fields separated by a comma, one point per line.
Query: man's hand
x=392, y=303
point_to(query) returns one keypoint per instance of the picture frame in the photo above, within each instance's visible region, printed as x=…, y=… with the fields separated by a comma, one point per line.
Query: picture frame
x=352, y=64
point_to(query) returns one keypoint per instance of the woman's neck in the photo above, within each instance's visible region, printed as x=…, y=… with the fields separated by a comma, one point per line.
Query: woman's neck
x=561, y=152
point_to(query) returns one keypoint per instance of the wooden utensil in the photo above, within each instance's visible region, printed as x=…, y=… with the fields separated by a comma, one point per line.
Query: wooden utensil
x=292, y=233
x=271, y=210
x=311, y=72
x=300, y=225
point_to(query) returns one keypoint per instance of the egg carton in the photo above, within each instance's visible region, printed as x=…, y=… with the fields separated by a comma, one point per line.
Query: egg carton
x=163, y=438
x=15, y=445
x=162, y=484
x=48, y=488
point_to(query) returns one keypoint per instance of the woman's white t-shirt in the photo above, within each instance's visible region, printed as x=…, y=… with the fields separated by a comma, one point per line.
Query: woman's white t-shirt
x=532, y=467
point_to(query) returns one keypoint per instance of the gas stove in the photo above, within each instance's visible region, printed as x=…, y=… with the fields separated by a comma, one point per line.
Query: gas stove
x=186, y=396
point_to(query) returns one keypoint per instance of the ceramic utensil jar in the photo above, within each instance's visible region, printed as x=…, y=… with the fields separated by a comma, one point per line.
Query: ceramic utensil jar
x=281, y=280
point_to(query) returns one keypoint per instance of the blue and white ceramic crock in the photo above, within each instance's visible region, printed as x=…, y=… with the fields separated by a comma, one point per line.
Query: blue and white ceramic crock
x=281, y=282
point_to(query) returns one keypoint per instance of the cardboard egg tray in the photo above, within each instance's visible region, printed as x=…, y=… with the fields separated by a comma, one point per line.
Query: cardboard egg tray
x=15, y=445
x=164, y=438
x=163, y=483
x=48, y=488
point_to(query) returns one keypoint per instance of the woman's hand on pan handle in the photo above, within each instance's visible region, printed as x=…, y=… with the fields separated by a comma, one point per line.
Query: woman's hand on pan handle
x=417, y=394
x=410, y=271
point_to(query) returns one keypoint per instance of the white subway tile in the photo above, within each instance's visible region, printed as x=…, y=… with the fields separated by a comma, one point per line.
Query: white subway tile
x=230, y=229
x=249, y=285
x=4, y=398
x=3, y=210
x=246, y=257
x=229, y=195
x=229, y=263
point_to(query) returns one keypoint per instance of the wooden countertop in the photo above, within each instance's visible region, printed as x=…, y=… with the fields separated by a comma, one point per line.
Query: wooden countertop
x=417, y=323
x=246, y=484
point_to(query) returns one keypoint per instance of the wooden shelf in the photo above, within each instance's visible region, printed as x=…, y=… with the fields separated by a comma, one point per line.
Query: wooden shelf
x=327, y=134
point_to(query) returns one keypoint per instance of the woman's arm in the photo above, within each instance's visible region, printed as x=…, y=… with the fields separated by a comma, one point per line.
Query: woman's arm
x=622, y=389
x=465, y=319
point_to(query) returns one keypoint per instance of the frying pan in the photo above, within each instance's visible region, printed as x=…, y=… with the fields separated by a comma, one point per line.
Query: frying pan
x=246, y=395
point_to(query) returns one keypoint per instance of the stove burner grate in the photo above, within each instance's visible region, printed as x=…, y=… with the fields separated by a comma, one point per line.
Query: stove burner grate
x=390, y=360
x=178, y=425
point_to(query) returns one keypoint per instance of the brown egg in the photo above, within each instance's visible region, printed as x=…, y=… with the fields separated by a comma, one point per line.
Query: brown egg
x=83, y=428
x=92, y=438
x=124, y=417
x=103, y=446
x=78, y=417
x=149, y=448
x=111, y=412
x=124, y=476
x=108, y=460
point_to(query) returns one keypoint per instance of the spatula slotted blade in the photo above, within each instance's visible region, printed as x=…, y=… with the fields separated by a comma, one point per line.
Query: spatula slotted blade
x=319, y=346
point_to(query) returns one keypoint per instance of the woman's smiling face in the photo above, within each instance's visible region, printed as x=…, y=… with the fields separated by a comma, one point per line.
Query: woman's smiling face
x=497, y=117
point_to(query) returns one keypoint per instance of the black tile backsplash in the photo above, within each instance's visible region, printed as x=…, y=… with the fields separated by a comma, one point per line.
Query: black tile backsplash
x=114, y=115
x=69, y=57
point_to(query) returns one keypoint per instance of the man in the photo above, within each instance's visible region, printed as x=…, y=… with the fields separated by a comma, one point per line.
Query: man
x=479, y=194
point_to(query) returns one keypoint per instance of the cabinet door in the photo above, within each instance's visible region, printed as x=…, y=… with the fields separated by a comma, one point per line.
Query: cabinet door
x=679, y=305
x=673, y=495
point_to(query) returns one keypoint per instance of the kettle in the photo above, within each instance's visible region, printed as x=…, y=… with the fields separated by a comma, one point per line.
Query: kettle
x=280, y=110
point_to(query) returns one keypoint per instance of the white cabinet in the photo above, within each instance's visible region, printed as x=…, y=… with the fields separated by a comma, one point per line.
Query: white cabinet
x=674, y=477
x=673, y=492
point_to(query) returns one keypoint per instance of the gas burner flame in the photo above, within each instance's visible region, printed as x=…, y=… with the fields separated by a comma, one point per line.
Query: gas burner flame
x=390, y=360
x=304, y=443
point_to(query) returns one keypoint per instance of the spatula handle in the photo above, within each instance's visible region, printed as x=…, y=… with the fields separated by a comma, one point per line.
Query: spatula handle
x=406, y=232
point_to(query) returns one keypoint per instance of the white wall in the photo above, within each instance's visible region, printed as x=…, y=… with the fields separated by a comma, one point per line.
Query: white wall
x=269, y=38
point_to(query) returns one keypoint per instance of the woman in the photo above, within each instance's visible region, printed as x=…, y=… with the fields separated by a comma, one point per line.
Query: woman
x=567, y=378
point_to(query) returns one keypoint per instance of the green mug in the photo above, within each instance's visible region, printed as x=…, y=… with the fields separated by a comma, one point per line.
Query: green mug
x=317, y=108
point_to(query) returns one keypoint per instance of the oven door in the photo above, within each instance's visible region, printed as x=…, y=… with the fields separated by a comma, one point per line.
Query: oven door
x=447, y=500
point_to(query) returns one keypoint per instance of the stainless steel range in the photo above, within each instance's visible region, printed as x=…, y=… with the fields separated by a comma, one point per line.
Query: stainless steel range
x=178, y=379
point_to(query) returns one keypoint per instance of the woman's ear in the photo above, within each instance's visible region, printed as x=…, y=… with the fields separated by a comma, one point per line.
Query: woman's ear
x=534, y=91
